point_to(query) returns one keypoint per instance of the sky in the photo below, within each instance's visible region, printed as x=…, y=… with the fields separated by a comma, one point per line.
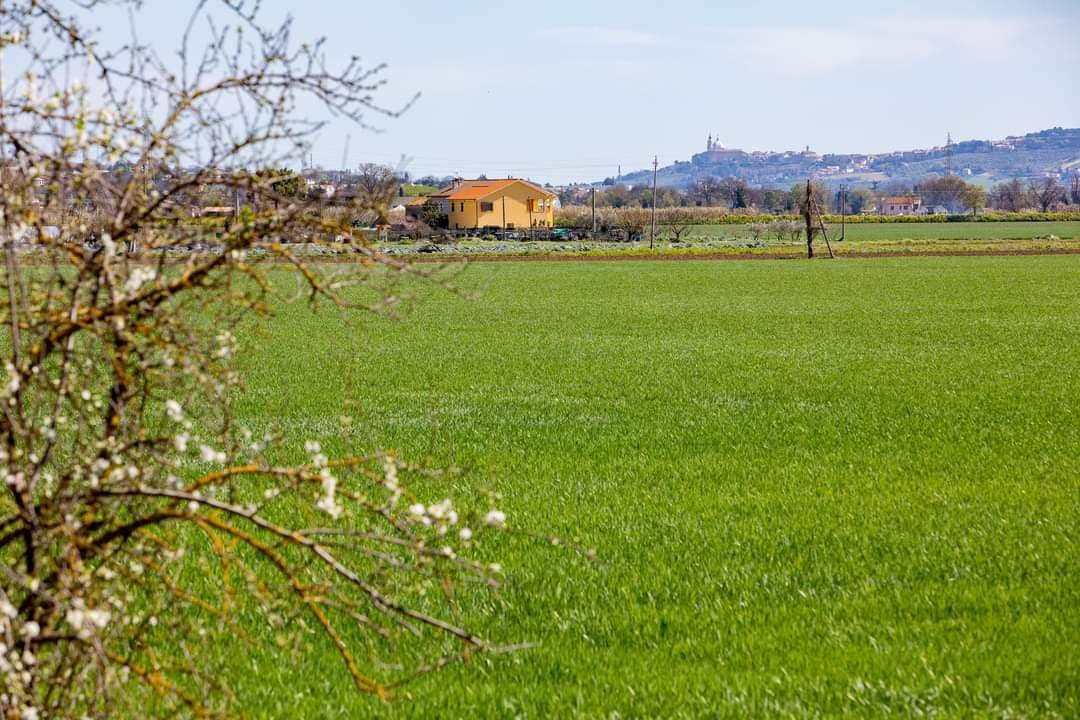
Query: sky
x=565, y=90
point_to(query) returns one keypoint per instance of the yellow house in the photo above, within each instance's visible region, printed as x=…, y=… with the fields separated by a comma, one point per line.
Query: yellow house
x=505, y=204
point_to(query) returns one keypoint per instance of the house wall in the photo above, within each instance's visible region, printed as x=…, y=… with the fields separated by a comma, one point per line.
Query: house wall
x=516, y=200
x=902, y=208
x=463, y=214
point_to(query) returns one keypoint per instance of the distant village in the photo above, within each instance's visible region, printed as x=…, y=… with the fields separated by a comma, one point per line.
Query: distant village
x=1054, y=152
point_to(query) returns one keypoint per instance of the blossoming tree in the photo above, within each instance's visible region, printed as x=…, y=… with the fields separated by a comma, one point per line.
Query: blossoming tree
x=140, y=523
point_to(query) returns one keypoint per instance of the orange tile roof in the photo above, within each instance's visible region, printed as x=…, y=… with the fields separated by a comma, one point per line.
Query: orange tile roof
x=477, y=189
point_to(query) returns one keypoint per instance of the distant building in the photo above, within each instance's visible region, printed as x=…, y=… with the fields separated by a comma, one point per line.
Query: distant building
x=901, y=205
x=505, y=204
x=414, y=207
x=211, y=211
x=321, y=187
x=715, y=152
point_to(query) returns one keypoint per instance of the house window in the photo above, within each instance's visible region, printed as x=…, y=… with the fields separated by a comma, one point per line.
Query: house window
x=487, y=207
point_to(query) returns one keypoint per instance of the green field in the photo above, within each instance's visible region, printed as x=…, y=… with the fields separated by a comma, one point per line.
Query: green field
x=816, y=489
x=868, y=232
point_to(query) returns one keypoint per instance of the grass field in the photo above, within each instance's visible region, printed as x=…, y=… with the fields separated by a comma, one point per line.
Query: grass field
x=816, y=489
x=868, y=232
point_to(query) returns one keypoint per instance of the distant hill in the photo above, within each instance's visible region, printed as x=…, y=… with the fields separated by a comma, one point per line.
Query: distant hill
x=981, y=161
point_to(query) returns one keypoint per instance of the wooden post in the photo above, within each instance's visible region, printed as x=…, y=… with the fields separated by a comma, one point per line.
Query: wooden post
x=812, y=211
x=825, y=234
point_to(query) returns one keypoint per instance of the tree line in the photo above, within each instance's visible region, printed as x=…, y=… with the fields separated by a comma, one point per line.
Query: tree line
x=949, y=194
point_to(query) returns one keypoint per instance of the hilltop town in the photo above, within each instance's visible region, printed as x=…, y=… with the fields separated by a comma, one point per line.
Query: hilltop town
x=984, y=162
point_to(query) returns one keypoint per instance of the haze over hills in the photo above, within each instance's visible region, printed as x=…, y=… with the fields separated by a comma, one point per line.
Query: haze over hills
x=1054, y=151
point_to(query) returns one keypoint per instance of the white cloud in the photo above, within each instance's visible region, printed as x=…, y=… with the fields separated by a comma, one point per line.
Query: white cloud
x=885, y=43
x=585, y=36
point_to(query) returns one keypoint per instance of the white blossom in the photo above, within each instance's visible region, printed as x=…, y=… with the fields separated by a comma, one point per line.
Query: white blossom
x=495, y=518
x=329, y=506
x=226, y=345
x=176, y=413
x=390, y=471
x=8, y=610
x=138, y=277
x=440, y=510
x=328, y=502
x=15, y=381
x=211, y=455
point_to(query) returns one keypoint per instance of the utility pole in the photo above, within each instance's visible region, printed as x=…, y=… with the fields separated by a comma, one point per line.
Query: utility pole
x=810, y=211
x=652, y=233
x=592, y=194
x=843, y=212
x=948, y=154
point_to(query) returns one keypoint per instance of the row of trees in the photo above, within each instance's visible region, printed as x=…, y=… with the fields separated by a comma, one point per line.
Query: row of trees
x=950, y=193
x=1045, y=194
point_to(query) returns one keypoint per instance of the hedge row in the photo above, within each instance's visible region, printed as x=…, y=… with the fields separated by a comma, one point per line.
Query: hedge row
x=576, y=217
x=733, y=219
